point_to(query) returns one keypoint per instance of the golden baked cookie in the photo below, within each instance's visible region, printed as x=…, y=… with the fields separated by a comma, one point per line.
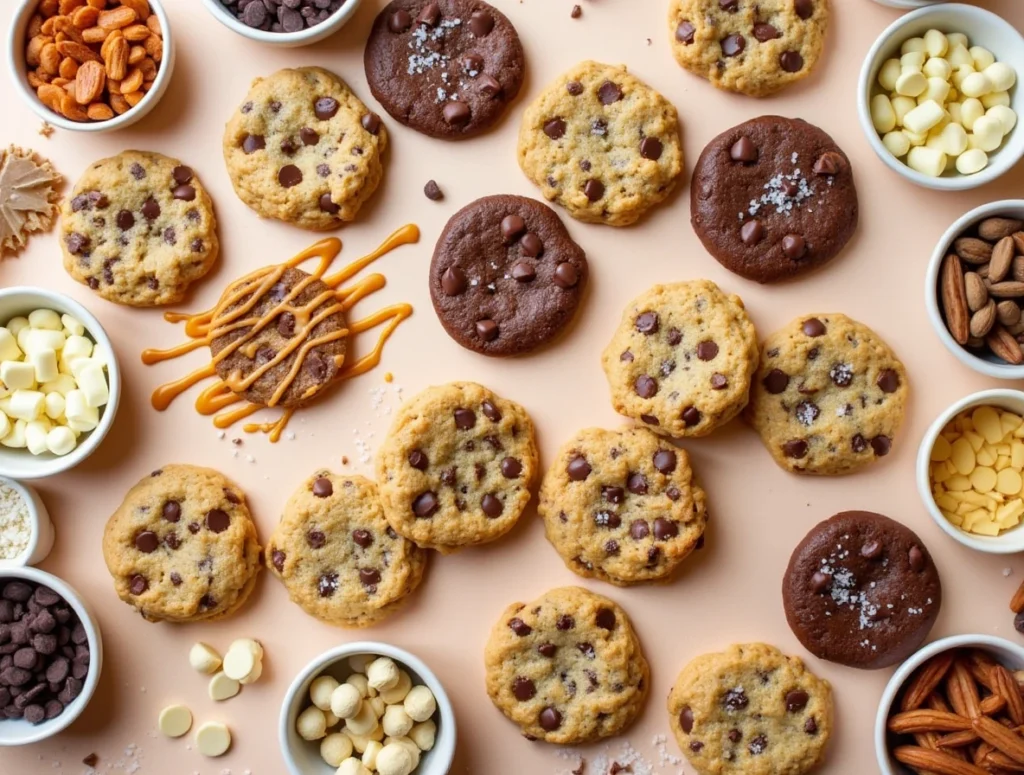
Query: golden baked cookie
x=602, y=144
x=829, y=396
x=751, y=710
x=754, y=48
x=338, y=557
x=567, y=668
x=622, y=506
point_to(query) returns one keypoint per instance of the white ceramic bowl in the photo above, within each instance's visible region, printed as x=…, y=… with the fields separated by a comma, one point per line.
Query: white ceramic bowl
x=23, y=733
x=303, y=37
x=908, y=3
x=303, y=757
x=41, y=535
x=1008, y=542
x=18, y=69
x=1006, y=652
x=983, y=362
x=20, y=463
x=983, y=28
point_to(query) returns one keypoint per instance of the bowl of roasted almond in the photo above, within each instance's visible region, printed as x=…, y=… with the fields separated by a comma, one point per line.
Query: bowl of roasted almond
x=955, y=707
x=91, y=66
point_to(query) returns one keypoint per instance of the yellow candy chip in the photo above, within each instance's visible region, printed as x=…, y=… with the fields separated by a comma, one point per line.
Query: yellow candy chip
x=983, y=479
x=963, y=456
x=987, y=422
x=986, y=529
x=941, y=450
x=958, y=483
x=976, y=441
x=1017, y=455
x=1009, y=481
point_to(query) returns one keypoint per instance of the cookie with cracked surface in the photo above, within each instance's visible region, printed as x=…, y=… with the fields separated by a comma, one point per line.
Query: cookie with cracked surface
x=861, y=590
x=773, y=198
x=602, y=144
x=754, y=48
x=751, y=710
x=622, y=506
x=682, y=358
x=182, y=546
x=567, y=668
x=506, y=277
x=338, y=557
x=138, y=229
x=829, y=395
x=446, y=68
x=303, y=148
x=456, y=467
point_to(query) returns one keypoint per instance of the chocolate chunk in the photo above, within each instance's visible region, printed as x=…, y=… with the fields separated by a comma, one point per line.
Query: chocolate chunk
x=609, y=93
x=765, y=32
x=796, y=700
x=791, y=62
x=289, y=175
x=813, y=327
x=519, y=627
x=651, y=148
x=733, y=45
x=432, y=191
x=707, y=351
x=325, y=108
x=796, y=448
x=555, y=128
x=888, y=380
x=794, y=247
x=549, y=719
x=685, y=32
x=578, y=469
x=425, y=505
x=322, y=487
x=593, y=189
x=217, y=521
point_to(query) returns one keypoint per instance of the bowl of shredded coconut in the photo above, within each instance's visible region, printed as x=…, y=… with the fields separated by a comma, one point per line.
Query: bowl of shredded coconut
x=26, y=532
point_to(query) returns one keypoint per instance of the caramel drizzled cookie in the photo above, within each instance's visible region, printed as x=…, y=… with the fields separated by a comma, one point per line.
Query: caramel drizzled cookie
x=751, y=710
x=29, y=190
x=682, y=358
x=861, y=590
x=566, y=668
x=302, y=148
x=828, y=397
x=138, y=229
x=602, y=144
x=456, y=467
x=747, y=46
x=622, y=506
x=337, y=555
x=506, y=277
x=182, y=546
x=446, y=68
x=773, y=198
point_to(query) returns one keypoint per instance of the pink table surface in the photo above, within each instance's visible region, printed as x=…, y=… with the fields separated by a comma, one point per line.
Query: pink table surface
x=727, y=593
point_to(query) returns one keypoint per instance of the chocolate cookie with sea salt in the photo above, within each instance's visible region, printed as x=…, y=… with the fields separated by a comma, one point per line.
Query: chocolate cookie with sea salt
x=446, y=68
x=861, y=590
x=773, y=198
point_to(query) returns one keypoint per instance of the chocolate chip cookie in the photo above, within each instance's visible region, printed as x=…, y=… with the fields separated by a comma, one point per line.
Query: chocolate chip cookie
x=566, y=668
x=751, y=710
x=828, y=397
x=602, y=144
x=682, y=358
x=506, y=277
x=446, y=68
x=456, y=467
x=285, y=347
x=773, y=198
x=622, y=506
x=754, y=48
x=337, y=555
x=138, y=229
x=302, y=148
x=861, y=590
x=182, y=547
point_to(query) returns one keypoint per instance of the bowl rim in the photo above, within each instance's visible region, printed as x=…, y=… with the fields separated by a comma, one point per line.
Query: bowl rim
x=31, y=498
x=1003, y=164
x=18, y=70
x=45, y=467
x=92, y=630
x=904, y=671
x=1001, y=544
x=444, y=746
x=310, y=35
x=931, y=291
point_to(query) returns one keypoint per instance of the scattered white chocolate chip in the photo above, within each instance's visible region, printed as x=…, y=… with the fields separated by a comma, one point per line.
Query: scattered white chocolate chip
x=420, y=703
x=175, y=720
x=382, y=673
x=213, y=739
x=335, y=748
x=345, y=700
x=223, y=688
x=359, y=742
x=238, y=663
x=253, y=676
x=311, y=723
x=321, y=691
x=424, y=734
x=204, y=658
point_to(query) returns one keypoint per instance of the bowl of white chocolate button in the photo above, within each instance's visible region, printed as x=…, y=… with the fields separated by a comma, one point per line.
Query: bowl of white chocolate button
x=59, y=383
x=938, y=97
x=367, y=709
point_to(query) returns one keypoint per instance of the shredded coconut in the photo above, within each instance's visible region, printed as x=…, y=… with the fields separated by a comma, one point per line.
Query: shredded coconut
x=15, y=523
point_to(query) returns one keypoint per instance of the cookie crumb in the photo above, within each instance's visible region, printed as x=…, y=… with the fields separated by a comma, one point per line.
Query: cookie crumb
x=649, y=42
x=389, y=377
x=583, y=762
x=92, y=759
x=433, y=191
x=344, y=460
x=237, y=442
x=46, y=130
x=577, y=12
x=616, y=768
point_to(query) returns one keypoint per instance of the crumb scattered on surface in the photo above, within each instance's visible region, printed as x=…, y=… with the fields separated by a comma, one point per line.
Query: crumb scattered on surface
x=47, y=130
x=389, y=377
x=432, y=191
x=92, y=759
x=344, y=460
x=577, y=12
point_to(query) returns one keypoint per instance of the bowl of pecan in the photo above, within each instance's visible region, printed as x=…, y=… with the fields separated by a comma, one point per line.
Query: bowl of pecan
x=974, y=289
x=91, y=66
x=954, y=708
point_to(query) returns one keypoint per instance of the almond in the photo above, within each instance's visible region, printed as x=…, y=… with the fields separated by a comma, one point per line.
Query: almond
x=63, y=25
x=50, y=96
x=66, y=7
x=77, y=51
x=962, y=690
x=35, y=48
x=136, y=54
x=153, y=22
x=119, y=104
x=49, y=59
x=117, y=18
x=136, y=32
x=141, y=8
x=132, y=81
x=100, y=111
x=1008, y=313
x=154, y=47
x=957, y=739
x=47, y=27
x=117, y=58
x=85, y=17
x=149, y=69
x=994, y=229
x=35, y=26
x=926, y=680
x=973, y=250
x=1017, y=601
x=89, y=82
x=95, y=35
x=1002, y=259
x=1018, y=241
x=108, y=42
x=999, y=737
x=977, y=293
x=998, y=762
x=938, y=762
x=1002, y=344
x=99, y=5
x=1007, y=688
x=70, y=108
x=68, y=68
x=35, y=80
x=133, y=98
x=925, y=720
x=1008, y=289
x=954, y=298
x=992, y=704
x=983, y=320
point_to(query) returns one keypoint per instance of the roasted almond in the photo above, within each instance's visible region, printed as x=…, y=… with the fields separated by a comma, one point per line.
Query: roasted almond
x=89, y=82
x=119, y=104
x=141, y=8
x=100, y=111
x=154, y=47
x=80, y=52
x=954, y=298
x=1017, y=601
x=136, y=32
x=136, y=54
x=926, y=680
x=35, y=48
x=1008, y=312
x=973, y=250
x=50, y=96
x=49, y=59
x=977, y=293
x=132, y=81
x=133, y=98
x=999, y=737
x=993, y=704
x=117, y=59
x=66, y=7
x=1003, y=344
x=938, y=762
x=35, y=26
x=70, y=108
x=1002, y=259
x=1007, y=688
x=994, y=229
x=95, y=35
x=926, y=720
x=983, y=320
x=1008, y=289
x=117, y=18
x=68, y=68
x=962, y=690
x=957, y=739
x=153, y=22
x=1018, y=242
x=85, y=17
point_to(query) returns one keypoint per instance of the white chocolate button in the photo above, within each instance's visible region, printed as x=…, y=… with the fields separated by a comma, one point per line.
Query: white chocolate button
x=425, y=733
x=960, y=56
x=175, y=720
x=346, y=701
x=982, y=57
x=395, y=759
x=382, y=673
x=81, y=417
x=44, y=363
x=9, y=350
x=335, y=748
x=320, y=691
x=360, y=683
x=370, y=754
x=396, y=722
x=988, y=134
x=971, y=161
x=397, y=692
x=213, y=739
x=238, y=663
x=26, y=405
x=204, y=658
x=352, y=766
x=254, y=674
x=420, y=703
x=223, y=688
x=311, y=723
x=364, y=722
x=897, y=143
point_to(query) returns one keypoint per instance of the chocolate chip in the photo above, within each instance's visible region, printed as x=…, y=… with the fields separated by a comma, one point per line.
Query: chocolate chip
x=751, y=233
x=532, y=245
x=794, y=247
x=511, y=468
x=804, y=8
x=888, y=381
x=729, y=5
x=664, y=529
x=147, y=542
x=765, y=32
x=645, y=386
x=791, y=62
x=881, y=445
x=685, y=32
x=829, y=163
x=593, y=189
x=719, y=381
x=796, y=700
x=566, y=276
x=278, y=557
x=453, y=281
x=555, y=128
x=327, y=584
x=371, y=123
x=811, y=726
x=758, y=745
x=609, y=93
x=651, y=148
x=691, y=416
x=605, y=619
x=733, y=45
x=425, y=505
x=578, y=469
x=137, y=171
x=253, y=143
x=125, y=220
x=665, y=461
x=813, y=327
x=322, y=487
x=519, y=627
x=490, y=411
x=185, y=193
x=707, y=351
x=325, y=108
x=138, y=584
x=796, y=448
x=575, y=88
x=916, y=559
x=151, y=209
x=418, y=460
x=399, y=21
x=289, y=175
x=456, y=113
x=743, y=150
x=647, y=323
x=576, y=12
x=182, y=174
x=523, y=689
x=432, y=191
x=481, y=23
x=549, y=719
x=369, y=577
x=491, y=506
x=308, y=136
x=316, y=539
x=217, y=520
x=735, y=699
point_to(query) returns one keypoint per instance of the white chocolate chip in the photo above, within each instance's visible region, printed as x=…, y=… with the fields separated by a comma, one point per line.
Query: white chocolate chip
x=346, y=701
x=352, y=766
x=364, y=722
x=45, y=318
x=1006, y=117
x=996, y=98
x=359, y=742
x=913, y=61
x=332, y=720
x=81, y=417
x=396, y=722
x=913, y=44
x=395, y=759
x=370, y=754
x=204, y=658
x=397, y=692
x=951, y=140
x=424, y=734
x=420, y=703
x=72, y=325
x=223, y=688
x=311, y=723
x=175, y=720
x=15, y=437
x=321, y=689
x=238, y=663
x=936, y=43
x=988, y=135
x=975, y=85
x=213, y=739
x=1001, y=76
x=901, y=106
x=982, y=57
x=382, y=673
x=959, y=56
x=936, y=67
x=360, y=683
x=409, y=745
x=254, y=675
x=335, y=748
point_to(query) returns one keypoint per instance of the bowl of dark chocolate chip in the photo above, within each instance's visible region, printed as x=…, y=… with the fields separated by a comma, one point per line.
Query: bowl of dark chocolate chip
x=51, y=654
x=286, y=23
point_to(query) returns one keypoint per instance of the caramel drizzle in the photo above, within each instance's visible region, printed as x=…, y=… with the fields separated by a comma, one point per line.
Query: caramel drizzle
x=204, y=327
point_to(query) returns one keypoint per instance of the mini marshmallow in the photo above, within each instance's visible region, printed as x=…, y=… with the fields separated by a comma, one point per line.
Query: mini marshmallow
x=424, y=735
x=45, y=318
x=913, y=61
x=382, y=673
x=175, y=720
x=213, y=739
x=204, y=658
x=1001, y=76
x=992, y=99
x=43, y=339
x=63, y=384
x=352, y=766
x=889, y=72
x=951, y=140
x=335, y=748
x=72, y=325
x=35, y=436
x=971, y=111
x=359, y=662
x=17, y=375
x=223, y=688
x=397, y=692
x=975, y=85
x=901, y=106
x=1005, y=116
x=9, y=350
x=936, y=43
x=17, y=325
x=958, y=56
x=936, y=67
x=927, y=161
x=396, y=722
x=15, y=438
x=395, y=759
x=5, y=425
x=988, y=136
x=61, y=440
x=364, y=722
x=321, y=690
x=924, y=117
x=955, y=111
x=982, y=57
x=81, y=416
x=370, y=754
x=346, y=701
x=937, y=90
x=420, y=703
x=883, y=117
x=76, y=347
x=913, y=44
x=960, y=74
x=311, y=724
x=359, y=681
x=28, y=405
x=44, y=362
x=910, y=83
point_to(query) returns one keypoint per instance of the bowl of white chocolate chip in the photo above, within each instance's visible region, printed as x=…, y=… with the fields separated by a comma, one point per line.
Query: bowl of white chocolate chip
x=938, y=96
x=367, y=709
x=59, y=383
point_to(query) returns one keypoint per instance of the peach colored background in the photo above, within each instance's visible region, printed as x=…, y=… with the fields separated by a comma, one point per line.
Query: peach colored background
x=728, y=592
